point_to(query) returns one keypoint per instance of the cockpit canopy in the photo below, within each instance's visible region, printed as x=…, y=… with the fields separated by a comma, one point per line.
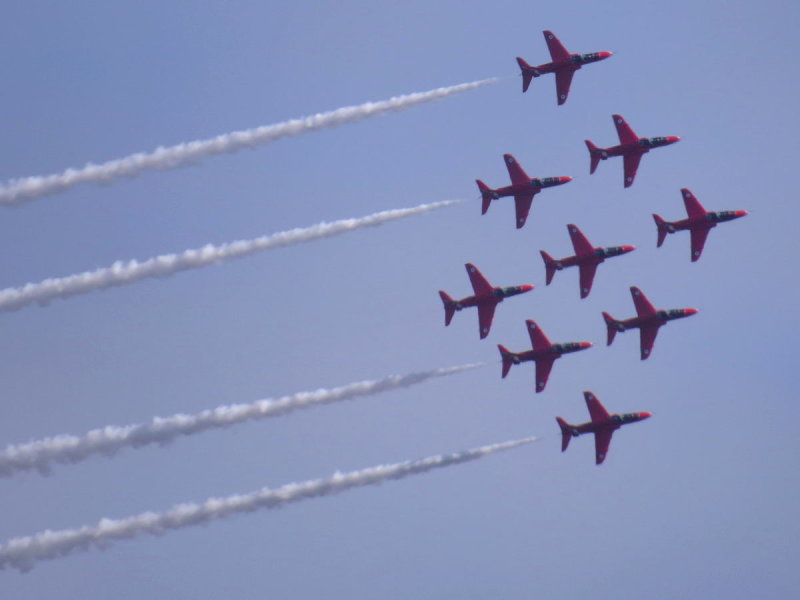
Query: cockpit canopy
x=653, y=141
x=566, y=347
x=544, y=181
x=610, y=251
x=507, y=291
x=584, y=58
x=670, y=314
x=721, y=215
x=625, y=418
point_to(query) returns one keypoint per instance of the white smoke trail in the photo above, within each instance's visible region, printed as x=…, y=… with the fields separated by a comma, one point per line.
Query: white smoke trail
x=40, y=455
x=25, y=189
x=23, y=552
x=124, y=273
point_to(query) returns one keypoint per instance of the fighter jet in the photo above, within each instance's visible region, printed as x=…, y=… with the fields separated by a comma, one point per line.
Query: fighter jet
x=587, y=257
x=486, y=298
x=699, y=222
x=648, y=320
x=631, y=148
x=522, y=187
x=564, y=65
x=602, y=425
x=544, y=354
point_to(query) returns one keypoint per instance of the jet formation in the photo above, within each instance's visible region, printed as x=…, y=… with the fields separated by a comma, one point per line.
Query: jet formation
x=699, y=222
x=587, y=257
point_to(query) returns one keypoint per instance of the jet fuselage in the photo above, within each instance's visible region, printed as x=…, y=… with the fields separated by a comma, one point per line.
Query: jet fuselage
x=497, y=296
x=658, y=319
x=532, y=187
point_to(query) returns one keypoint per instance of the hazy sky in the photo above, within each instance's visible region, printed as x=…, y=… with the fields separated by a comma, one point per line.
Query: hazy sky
x=699, y=501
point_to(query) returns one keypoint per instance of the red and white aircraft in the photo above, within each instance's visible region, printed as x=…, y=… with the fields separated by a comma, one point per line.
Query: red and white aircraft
x=544, y=353
x=603, y=425
x=631, y=147
x=699, y=222
x=564, y=65
x=587, y=257
x=648, y=320
x=486, y=298
x=522, y=187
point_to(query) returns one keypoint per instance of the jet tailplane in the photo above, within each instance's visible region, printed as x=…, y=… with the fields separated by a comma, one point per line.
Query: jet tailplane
x=508, y=358
x=549, y=266
x=528, y=73
x=595, y=154
x=449, y=307
x=663, y=229
x=611, y=326
x=566, y=433
x=487, y=195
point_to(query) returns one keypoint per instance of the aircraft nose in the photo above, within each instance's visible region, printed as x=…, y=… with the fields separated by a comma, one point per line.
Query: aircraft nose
x=741, y=213
x=690, y=311
x=585, y=345
x=527, y=287
x=645, y=415
x=564, y=179
x=605, y=54
x=626, y=249
x=673, y=138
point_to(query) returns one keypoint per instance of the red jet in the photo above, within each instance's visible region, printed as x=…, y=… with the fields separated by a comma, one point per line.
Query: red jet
x=564, y=66
x=522, y=187
x=486, y=298
x=587, y=257
x=631, y=148
x=544, y=354
x=603, y=425
x=699, y=222
x=648, y=320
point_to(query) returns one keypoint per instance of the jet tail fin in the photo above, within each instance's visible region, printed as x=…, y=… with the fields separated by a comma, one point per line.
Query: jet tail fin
x=595, y=155
x=566, y=433
x=662, y=229
x=528, y=73
x=486, y=195
x=508, y=358
x=549, y=266
x=611, y=326
x=449, y=307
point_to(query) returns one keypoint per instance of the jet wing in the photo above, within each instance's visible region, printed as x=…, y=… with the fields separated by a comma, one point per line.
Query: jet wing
x=556, y=48
x=539, y=340
x=543, y=367
x=693, y=207
x=480, y=284
x=485, y=316
x=522, y=203
x=624, y=131
x=698, y=241
x=586, y=278
x=644, y=308
x=515, y=172
x=630, y=166
x=580, y=242
x=602, y=440
x=597, y=411
x=563, y=81
x=647, y=337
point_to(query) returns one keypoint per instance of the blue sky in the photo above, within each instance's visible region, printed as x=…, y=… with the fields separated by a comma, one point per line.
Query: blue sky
x=699, y=500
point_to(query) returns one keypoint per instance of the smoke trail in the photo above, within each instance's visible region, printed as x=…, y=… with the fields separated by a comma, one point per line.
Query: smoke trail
x=124, y=273
x=23, y=552
x=40, y=455
x=25, y=189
